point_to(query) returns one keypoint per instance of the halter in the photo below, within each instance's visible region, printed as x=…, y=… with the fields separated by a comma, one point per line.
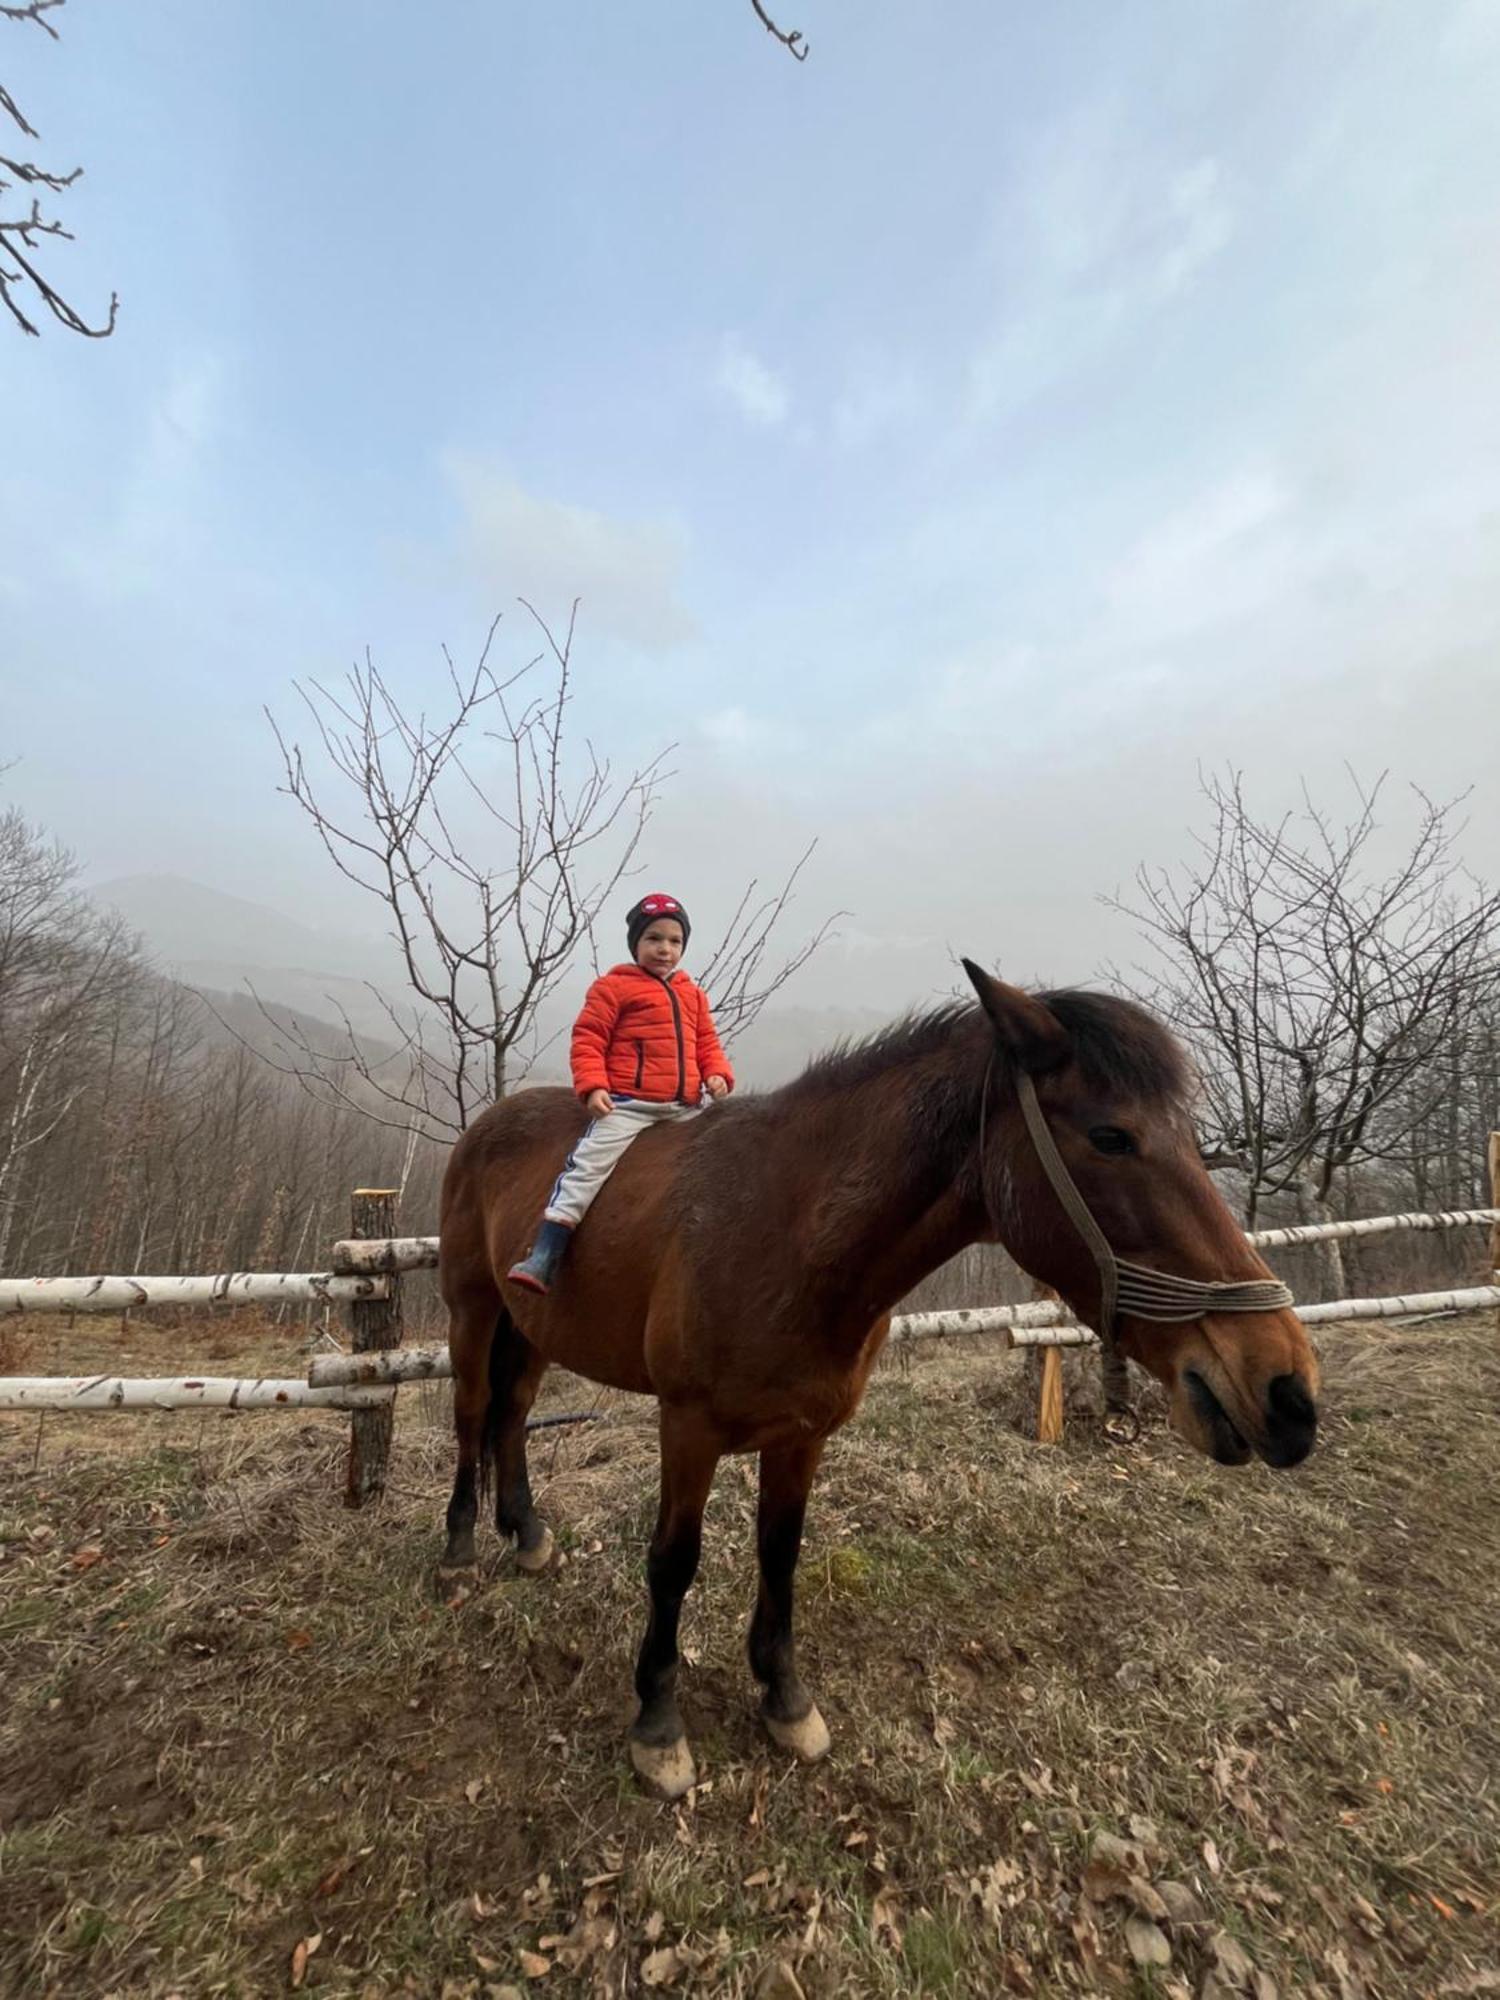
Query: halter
x=1124, y=1287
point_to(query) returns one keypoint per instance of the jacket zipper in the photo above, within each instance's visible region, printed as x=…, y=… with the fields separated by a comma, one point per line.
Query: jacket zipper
x=640, y=1063
x=681, y=1051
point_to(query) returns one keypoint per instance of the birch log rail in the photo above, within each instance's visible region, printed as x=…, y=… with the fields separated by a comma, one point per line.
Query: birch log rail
x=420, y=1253
x=185, y=1392
x=1030, y=1325
x=111, y=1294
x=365, y=1278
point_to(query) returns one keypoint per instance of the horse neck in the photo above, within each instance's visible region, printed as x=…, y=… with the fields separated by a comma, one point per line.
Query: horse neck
x=904, y=1194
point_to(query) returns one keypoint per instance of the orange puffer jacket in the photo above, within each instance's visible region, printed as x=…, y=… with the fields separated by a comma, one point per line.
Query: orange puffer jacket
x=640, y=1036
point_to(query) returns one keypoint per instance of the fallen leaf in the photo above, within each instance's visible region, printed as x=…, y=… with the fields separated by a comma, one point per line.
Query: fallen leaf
x=297, y=1640
x=1146, y=1900
x=1116, y=1853
x=331, y=1878
x=1263, y=1986
x=758, y=1880
x=654, y=1926
x=1016, y=1974
x=472, y=1790
x=663, y=1967
x=1211, y=1859
x=1102, y=1881
x=1443, y=1909
x=302, y=1951
x=533, y=1964
x=885, y=1919
x=1230, y=1957
x=779, y=1982
x=86, y=1558
x=1147, y=1942
x=1182, y=1903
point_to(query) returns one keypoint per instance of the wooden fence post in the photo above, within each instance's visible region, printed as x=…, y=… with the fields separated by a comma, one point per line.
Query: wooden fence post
x=374, y=1323
x=1049, y=1412
x=1494, y=1153
x=1047, y=1373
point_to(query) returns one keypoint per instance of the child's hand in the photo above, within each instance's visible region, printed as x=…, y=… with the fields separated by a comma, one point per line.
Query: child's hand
x=599, y=1103
x=716, y=1086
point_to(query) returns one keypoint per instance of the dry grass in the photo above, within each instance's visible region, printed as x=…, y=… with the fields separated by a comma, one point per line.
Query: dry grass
x=236, y=1720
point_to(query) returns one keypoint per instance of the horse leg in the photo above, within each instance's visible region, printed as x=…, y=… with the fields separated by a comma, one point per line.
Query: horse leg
x=788, y=1710
x=658, y=1743
x=516, y=1371
x=471, y=1330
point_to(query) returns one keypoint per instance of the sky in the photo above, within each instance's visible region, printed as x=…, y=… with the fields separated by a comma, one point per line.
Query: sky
x=955, y=441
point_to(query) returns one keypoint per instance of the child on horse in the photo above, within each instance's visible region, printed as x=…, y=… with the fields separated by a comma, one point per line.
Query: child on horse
x=644, y=1053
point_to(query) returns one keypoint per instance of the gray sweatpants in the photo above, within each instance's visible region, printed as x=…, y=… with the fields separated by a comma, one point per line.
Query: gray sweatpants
x=597, y=1154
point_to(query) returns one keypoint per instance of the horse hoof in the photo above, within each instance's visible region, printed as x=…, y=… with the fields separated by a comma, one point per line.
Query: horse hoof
x=807, y=1739
x=454, y=1583
x=534, y=1561
x=664, y=1773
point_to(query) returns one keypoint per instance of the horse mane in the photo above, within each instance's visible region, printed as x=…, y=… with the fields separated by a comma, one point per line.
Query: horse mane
x=852, y=1062
x=1121, y=1049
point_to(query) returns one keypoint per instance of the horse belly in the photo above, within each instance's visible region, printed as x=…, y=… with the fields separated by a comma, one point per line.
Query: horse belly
x=590, y=1345
x=795, y=1402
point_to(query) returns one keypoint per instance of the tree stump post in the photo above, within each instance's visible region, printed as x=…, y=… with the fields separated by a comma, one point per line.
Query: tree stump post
x=1494, y=1162
x=1046, y=1364
x=373, y=1323
x=1049, y=1411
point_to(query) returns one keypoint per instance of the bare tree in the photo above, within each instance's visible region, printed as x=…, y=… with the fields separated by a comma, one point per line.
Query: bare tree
x=63, y=968
x=737, y=973
x=1320, y=994
x=23, y=236
x=493, y=848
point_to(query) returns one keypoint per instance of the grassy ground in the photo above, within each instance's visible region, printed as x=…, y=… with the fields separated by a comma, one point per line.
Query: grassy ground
x=1106, y=1720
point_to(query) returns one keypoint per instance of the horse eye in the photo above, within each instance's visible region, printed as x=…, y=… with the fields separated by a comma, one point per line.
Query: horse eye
x=1110, y=1139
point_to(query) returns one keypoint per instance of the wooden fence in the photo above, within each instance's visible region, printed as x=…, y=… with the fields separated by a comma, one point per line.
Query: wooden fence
x=365, y=1279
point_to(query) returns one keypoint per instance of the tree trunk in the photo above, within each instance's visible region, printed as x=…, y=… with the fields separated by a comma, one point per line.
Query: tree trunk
x=1310, y=1208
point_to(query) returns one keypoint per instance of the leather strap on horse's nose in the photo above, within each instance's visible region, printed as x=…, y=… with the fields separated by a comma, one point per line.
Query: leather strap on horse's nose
x=1136, y=1288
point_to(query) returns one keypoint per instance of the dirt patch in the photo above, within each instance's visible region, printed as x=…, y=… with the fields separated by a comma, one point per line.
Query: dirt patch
x=1090, y=1705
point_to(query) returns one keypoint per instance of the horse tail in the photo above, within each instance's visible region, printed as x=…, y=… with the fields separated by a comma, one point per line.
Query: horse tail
x=501, y=1373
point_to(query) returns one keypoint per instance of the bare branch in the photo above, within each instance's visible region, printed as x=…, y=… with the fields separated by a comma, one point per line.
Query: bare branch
x=20, y=273
x=789, y=38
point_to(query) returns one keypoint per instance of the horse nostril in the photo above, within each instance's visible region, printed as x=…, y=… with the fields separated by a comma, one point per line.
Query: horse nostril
x=1293, y=1419
x=1290, y=1401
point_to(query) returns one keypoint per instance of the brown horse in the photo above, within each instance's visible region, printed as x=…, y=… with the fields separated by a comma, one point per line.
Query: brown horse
x=742, y=1268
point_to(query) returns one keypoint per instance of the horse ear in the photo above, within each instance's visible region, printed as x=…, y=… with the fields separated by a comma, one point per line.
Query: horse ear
x=1023, y=1025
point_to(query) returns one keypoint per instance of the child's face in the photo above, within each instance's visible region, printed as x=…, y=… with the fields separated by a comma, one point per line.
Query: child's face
x=660, y=946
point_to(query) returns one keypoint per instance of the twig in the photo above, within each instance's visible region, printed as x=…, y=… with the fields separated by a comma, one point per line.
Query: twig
x=790, y=39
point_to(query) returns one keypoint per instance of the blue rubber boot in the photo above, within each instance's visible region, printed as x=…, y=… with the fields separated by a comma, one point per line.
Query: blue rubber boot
x=536, y=1272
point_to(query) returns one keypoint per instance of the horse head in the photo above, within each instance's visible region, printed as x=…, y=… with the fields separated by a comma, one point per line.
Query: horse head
x=1112, y=1089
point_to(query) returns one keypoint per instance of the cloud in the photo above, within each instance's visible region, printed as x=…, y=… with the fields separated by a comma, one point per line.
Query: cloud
x=737, y=729
x=1224, y=552
x=158, y=519
x=627, y=573
x=760, y=395
x=1097, y=234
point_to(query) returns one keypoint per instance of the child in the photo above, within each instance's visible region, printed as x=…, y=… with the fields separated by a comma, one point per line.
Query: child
x=644, y=1053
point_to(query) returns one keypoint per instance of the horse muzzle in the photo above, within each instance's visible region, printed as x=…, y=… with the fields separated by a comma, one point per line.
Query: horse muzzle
x=1284, y=1432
